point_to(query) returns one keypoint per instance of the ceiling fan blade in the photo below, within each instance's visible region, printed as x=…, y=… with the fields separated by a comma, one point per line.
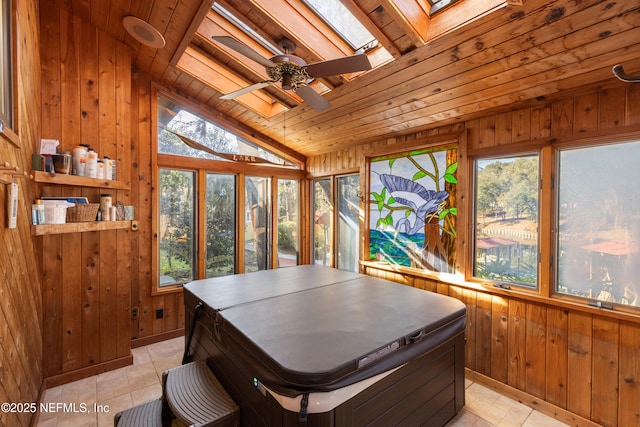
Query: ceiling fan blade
x=243, y=49
x=313, y=98
x=332, y=67
x=237, y=93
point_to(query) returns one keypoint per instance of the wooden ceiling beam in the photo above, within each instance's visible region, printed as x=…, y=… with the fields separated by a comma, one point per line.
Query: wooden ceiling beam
x=303, y=28
x=372, y=28
x=202, y=68
x=205, y=7
x=411, y=16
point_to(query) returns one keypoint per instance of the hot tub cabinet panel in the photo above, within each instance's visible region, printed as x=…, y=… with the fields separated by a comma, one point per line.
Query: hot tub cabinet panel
x=331, y=348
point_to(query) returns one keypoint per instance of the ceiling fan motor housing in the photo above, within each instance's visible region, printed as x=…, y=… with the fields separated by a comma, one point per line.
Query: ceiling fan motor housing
x=289, y=70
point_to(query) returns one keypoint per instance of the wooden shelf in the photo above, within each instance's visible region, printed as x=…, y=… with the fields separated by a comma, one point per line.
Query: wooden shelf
x=79, y=227
x=80, y=181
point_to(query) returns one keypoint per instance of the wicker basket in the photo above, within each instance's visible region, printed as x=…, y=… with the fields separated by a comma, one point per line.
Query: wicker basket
x=83, y=212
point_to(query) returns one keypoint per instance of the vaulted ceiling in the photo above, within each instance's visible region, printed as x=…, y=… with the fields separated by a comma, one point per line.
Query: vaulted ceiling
x=427, y=70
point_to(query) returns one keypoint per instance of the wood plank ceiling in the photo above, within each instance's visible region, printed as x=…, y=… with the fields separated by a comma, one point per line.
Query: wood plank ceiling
x=476, y=56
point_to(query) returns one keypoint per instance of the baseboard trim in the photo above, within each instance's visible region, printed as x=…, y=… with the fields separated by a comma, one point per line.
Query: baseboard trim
x=141, y=342
x=533, y=402
x=87, y=372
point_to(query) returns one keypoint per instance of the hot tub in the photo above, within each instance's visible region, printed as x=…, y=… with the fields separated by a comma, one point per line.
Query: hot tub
x=330, y=347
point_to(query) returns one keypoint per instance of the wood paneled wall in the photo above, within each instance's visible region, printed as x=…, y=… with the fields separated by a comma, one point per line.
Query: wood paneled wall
x=92, y=280
x=86, y=277
x=584, y=361
x=146, y=327
x=20, y=299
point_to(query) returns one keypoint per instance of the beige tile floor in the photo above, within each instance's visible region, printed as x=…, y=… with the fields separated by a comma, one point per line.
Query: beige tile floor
x=97, y=399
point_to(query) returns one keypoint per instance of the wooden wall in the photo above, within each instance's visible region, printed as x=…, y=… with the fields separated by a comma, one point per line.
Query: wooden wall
x=146, y=328
x=92, y=280
x=578, y=363
x=20, y=300
x=86, y=285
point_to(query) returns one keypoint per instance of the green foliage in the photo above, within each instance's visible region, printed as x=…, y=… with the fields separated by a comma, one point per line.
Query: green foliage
x=286, y=235
x=509, y=188
x=176, y=224
x=503, y=271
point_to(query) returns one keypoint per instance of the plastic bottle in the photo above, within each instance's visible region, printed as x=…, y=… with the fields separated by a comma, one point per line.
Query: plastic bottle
x=34, y=214
x=79, y=160
x=101, y=169
x=108, y=168
x=105, y=206
x=37, y=213
x=92, y=164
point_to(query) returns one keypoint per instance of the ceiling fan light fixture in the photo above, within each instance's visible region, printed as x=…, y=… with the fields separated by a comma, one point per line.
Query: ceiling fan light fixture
x=143, y=32
x=286, y=81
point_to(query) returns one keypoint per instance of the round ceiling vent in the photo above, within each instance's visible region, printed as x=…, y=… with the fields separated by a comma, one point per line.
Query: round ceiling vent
x=144, y=32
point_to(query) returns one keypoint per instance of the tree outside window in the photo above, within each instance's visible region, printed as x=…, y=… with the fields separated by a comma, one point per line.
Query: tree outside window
x=176, y=226
x=506, y=220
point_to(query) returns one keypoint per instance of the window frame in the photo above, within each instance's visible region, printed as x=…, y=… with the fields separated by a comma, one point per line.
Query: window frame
x=196, y=235
x=312, y=204
x=473, y=188
x=205, y=254
x=554, y=197
x=9, y=126
x=336, y=231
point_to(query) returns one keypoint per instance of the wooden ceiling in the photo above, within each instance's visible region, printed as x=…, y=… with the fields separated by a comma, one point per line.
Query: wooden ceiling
x=477, y=56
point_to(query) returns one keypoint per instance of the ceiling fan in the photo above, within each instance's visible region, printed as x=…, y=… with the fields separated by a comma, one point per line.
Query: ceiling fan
x=293, y=72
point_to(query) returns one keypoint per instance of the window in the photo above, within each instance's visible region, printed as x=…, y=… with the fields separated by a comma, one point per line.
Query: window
x=322, y=216
x=257, y=230
x=598, y=223
x=348, y=223
x=6, y=66
x=216, y=215
x=176, y=226
x=336, y=222
x=338, y=17
x=183, y=133
x=220, y=225
x=506, y=220
x=439, y=5
x=288, y=222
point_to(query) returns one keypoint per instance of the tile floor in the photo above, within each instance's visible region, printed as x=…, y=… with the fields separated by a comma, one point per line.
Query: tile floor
x=97, y=399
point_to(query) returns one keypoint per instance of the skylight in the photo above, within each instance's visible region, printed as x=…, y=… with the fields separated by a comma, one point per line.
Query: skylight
x=438, y=5
x=247, y=29
x=338, y=17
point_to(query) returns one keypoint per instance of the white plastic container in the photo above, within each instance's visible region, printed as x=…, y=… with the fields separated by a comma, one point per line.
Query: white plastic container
x=79, y=160
x=92, y=164
x=55, y=213
x=101, y=169
x=108, y=168
x=105, y=206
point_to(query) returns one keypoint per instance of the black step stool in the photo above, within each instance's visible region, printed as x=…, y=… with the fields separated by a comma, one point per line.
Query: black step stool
x=190, y=393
